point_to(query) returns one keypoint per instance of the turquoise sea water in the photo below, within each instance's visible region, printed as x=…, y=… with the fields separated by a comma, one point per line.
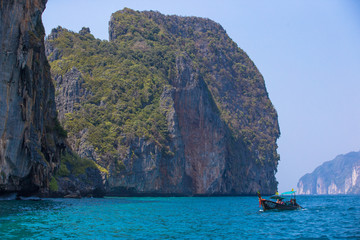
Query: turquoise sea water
x=324, y=217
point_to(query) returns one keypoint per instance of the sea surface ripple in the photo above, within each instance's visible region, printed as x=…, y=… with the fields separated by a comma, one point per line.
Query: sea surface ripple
x=323, y=217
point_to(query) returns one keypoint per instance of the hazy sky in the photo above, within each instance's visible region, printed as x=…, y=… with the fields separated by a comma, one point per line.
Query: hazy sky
x=308, y=52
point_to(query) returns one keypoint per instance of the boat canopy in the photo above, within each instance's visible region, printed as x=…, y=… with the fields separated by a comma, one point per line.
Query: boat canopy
x=288, y=193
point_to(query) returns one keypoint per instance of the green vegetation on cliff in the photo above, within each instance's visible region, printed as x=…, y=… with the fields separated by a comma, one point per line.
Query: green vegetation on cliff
x=126, y=77
x=53, y=185
x=73, y=164
x=125, y=85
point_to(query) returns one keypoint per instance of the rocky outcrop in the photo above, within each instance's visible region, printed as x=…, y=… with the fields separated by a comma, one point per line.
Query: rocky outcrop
x=69, y=91
x=77, y=177
x=338, y=176
x=170, y=106
x=31, y=139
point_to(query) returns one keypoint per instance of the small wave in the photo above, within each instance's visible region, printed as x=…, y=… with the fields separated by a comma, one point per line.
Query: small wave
x=33, y=198
x=8, y=196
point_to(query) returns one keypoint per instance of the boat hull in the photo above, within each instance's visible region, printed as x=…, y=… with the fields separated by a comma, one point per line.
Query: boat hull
x=270, y=205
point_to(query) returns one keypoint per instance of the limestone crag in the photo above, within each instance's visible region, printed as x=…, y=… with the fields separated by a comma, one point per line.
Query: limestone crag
x=169, y=106
x=339, y=176
x=30, y=135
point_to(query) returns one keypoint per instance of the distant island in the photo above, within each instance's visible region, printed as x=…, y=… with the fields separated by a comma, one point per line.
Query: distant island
x=338, y=176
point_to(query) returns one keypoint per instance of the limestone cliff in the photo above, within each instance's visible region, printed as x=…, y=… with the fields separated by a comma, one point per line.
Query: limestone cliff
x=170, y=105
x=338, y=176
x=31, y=138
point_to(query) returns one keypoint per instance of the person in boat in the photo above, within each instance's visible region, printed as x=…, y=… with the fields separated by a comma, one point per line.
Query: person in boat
x=279, y=201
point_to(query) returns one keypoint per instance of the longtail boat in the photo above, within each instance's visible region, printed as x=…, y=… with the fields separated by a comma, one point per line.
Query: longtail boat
x=285, y=201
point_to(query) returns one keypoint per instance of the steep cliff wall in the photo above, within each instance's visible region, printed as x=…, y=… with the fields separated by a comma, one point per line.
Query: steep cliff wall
x=31, y=138
x=338, y=176
x=170, y=105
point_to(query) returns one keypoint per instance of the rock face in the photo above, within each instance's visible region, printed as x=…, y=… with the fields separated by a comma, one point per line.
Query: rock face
x=69, y=93
x=31, y=138
x=339, y=176
x=169, y=106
